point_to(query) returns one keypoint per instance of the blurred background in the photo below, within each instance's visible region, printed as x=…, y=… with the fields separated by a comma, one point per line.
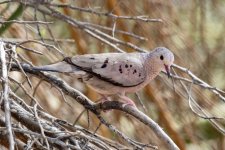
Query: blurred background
x=192, y=29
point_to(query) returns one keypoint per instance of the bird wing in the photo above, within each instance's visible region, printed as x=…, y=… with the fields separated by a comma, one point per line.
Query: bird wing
x=120, y=69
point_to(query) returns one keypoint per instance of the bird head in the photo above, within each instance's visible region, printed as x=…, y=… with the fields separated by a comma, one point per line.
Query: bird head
x=164, y=58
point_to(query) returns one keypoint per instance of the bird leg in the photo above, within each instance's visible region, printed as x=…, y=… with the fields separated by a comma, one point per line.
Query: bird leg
x=127, y=101
x=103, y=98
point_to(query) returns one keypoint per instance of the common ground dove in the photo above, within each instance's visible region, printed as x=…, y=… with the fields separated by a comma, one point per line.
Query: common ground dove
x=116, y=73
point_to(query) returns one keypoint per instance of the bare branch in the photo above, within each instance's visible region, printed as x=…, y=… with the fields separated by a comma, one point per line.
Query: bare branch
x=197, y=81
x=6, y=96
x=25, y=22
x=106, y=14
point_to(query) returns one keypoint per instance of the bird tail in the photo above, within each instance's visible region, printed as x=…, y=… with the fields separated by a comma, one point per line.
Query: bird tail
x=62, y=67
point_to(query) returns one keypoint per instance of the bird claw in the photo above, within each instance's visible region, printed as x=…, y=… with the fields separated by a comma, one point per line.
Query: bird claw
x=128, y=102
x=102, y=100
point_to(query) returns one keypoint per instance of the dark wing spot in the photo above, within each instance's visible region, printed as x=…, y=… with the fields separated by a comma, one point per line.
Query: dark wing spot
x=130, y=65
x=120, y=69
x=126, y=65
x=135, y=71
x=161, y=57
x=92, y=58
x=139, y=74
x=104, y=65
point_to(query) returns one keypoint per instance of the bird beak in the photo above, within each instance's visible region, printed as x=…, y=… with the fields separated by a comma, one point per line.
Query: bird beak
x=167, y=68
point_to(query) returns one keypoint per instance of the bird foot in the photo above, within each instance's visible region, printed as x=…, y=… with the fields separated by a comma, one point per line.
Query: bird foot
x=104, y=99
x=127, y=102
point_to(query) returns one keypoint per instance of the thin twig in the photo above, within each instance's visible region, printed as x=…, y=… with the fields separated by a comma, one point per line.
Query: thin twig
x=205, y=115
x=107, y=14
x=116, y=31
x=25, y=91
x=25, y=22
x=141, y=102
x=41, y=128
x=199, y=82
x=41, y=43
x=28, y=79
x=6, y=96
x=78, y=117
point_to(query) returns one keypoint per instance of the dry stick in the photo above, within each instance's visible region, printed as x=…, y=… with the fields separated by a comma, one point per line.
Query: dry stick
x=28, y=79
x=107, y=14
x=41, y=128
x=103, y=40
x=191, y=100
x=41, y=43
x=116, y=31
x=78, y=117
x=36, y=87
x=50, y=140
x=39, y=31
x=98, y=142
x=141, y=102
x=137, y=145
x=20, y=101
x=6, y=97
x=52, y=36
x=92, y=31
x=64, y=97
x=15, y=40
x=24, y=59
x=25, y=22
x=88, y=133
x=104, y=139
x=201, y=83
x=211, y=119
x=143, y=118
x=55, y=138
x=112, y=39
x=26, y=92
x=114, y=28
x=37, y=25
x=28, y=120
x=86, y=142
x=30, y=50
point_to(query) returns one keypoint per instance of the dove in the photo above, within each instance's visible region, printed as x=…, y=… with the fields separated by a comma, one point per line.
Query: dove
x=115, y=73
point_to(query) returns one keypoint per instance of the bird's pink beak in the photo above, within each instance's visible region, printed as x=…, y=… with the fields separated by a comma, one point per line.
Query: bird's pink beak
x=167, y=68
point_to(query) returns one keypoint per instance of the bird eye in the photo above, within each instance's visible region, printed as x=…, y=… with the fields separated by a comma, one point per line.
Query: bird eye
x=161, y=57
